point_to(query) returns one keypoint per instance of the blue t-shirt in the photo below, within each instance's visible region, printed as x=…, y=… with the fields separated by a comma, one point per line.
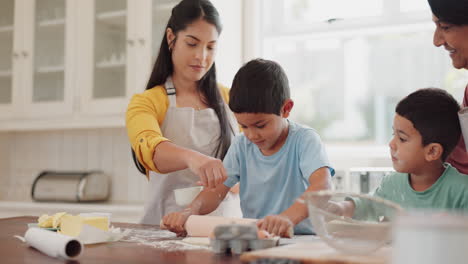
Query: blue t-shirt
x=271, y=184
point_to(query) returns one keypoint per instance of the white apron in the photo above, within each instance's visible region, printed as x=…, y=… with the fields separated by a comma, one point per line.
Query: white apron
x=193, y=129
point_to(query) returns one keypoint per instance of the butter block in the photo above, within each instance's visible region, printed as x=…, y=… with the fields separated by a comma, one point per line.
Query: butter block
x=50, y=221
x=57, y=218
x=72, y=225
x=44, y=221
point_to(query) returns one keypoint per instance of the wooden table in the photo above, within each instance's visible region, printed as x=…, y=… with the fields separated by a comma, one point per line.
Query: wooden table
x=13, y=250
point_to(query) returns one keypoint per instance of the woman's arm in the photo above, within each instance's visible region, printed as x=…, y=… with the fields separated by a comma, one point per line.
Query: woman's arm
x=144, y=115
x=168, y=157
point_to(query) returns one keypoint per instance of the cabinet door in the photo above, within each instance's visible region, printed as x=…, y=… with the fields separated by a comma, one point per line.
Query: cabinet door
x=161, y=12
x=47, y=57
x=150, y=23
x=108, y=54
x=8, y=32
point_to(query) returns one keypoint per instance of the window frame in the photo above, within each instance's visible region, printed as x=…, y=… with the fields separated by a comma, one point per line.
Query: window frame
x=391, y=21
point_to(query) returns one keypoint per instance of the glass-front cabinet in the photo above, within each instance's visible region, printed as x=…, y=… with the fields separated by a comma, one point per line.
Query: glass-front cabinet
x=124, y=40
x=65, y=61
x=104, y=64
x=6, y=56
x=52, y=57
x=160, y=16
x=110, y=33
x=46, y=53
x=49, y=51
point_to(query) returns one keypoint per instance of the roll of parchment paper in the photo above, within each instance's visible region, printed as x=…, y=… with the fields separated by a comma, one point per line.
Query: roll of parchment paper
x=53, y=244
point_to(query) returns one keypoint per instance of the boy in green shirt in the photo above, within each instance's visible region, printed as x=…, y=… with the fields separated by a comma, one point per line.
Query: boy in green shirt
x=425, y=130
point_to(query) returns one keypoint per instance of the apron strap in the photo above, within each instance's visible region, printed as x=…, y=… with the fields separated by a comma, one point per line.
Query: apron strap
x=171, y=92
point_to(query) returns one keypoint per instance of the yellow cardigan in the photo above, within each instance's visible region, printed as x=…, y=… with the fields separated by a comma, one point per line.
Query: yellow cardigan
x=144, y=117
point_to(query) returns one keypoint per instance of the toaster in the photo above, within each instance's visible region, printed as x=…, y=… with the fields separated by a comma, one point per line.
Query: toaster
x=62, y=186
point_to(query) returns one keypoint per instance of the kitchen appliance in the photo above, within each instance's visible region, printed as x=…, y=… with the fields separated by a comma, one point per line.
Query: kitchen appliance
x=63, y=186
x=366, y=179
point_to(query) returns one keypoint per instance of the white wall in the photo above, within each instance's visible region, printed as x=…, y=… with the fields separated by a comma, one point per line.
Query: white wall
x=24, y=154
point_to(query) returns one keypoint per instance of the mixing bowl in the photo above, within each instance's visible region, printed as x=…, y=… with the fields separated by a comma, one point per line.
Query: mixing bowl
x=364, y=230
x=185, y=196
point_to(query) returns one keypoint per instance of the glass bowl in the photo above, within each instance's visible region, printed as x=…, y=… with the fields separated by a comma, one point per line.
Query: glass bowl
x=360, y=231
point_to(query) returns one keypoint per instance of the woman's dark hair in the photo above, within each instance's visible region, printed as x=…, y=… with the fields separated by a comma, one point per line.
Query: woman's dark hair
x=183, y=14
x=260, y=86
x=434, y=114
x=450, y=11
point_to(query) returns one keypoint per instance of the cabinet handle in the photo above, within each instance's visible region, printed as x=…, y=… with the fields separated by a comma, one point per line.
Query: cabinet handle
x=130, y=42
x=142, y=41
x=15, y=55
x=25, y=54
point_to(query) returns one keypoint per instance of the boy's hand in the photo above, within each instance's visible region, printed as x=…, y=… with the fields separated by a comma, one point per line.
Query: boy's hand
x=343, y=208
x=278, y=225
x=175, y=222
x=211, y=171
x=335, y=208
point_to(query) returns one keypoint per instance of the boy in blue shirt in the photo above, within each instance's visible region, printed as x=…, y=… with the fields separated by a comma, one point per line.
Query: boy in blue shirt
x=275, y=160
x=425, y=130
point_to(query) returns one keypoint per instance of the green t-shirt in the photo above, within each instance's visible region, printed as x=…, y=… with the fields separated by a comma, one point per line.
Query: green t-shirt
x=449, y=192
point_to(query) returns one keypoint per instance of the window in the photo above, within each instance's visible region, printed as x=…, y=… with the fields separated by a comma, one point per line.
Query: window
x=350, y=62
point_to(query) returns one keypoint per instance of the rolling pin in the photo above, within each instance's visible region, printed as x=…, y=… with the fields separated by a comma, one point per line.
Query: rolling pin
x=203, y=225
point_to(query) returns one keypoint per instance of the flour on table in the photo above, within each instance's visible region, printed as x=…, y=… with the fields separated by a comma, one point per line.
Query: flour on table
x=161, y=239
x=176, y=245
x=147, y=235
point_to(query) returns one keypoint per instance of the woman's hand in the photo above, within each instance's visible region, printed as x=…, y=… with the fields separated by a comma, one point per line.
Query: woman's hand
x=175, y=222
x=278, y=225
x=210, y=170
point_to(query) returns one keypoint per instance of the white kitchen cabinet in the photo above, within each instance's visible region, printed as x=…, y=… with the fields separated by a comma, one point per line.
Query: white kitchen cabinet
x=43, y=52
x=36, y=64
x=76, y=64
x=107, y=64
x=125, y=38
x=7, y=30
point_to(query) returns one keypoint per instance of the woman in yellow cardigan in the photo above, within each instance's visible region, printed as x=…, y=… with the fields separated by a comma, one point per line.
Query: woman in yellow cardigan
x=180, y=128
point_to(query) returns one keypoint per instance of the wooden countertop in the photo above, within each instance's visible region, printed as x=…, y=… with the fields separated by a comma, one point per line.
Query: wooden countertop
x=13, y=250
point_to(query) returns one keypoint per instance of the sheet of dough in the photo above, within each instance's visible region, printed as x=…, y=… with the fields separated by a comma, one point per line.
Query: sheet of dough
x=199, y=241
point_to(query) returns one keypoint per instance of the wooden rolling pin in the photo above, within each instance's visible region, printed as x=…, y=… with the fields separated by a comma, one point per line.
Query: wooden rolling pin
x=203, y=225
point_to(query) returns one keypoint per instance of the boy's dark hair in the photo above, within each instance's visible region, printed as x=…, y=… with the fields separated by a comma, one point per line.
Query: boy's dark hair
x=260, y=86
x=434, y=113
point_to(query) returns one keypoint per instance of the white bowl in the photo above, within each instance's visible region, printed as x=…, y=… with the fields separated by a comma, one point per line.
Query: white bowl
x=365, y=232
x=430, y=237
x=185, y=196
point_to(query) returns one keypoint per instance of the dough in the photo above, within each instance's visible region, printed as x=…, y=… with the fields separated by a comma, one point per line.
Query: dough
x=199, y=241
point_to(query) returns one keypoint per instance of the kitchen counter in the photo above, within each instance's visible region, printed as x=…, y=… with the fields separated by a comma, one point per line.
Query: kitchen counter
x=121, y=212
x=13, y=250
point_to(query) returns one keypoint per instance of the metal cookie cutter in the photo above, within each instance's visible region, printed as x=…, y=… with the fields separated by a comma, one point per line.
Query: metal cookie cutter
x=238, y=238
